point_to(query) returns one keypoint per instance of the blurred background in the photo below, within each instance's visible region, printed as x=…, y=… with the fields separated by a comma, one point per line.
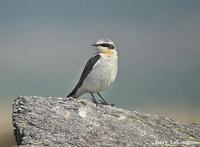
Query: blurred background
x=44, y=46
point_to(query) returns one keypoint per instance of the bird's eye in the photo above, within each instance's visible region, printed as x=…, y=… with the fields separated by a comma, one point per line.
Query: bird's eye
x=109, y=46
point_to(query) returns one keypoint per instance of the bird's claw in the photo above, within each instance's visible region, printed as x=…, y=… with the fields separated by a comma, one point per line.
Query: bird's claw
x=101, y=102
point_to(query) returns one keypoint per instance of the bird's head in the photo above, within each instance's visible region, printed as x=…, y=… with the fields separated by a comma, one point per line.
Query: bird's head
x=105, y=46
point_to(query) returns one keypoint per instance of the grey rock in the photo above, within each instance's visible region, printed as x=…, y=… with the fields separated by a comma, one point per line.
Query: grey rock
x=48, y=121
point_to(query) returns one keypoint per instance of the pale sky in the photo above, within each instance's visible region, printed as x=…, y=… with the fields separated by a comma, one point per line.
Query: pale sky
x=44, y=46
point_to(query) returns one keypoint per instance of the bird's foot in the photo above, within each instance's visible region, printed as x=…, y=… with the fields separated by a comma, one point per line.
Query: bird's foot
x=101, y=103
x=96, y=102
x=105, y=103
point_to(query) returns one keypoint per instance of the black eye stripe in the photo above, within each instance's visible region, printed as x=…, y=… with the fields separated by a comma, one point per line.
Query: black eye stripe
x=110, y=46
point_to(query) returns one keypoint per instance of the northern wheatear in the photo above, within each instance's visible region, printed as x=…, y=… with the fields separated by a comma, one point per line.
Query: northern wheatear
x=100, y=71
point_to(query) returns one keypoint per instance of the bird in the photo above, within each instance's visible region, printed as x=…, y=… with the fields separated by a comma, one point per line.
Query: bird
x=99, y=73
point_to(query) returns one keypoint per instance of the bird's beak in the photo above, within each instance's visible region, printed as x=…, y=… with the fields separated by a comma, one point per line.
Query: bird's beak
x=94, y=45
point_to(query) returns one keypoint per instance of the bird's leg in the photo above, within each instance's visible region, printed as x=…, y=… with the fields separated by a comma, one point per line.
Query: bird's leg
x=104, y=101
x=93, y=99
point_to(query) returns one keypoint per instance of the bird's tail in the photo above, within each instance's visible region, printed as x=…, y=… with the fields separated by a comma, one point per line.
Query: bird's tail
x=73, y=93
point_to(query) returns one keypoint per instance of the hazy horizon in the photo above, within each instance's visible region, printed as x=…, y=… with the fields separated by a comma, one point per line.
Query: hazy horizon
x=45, y=45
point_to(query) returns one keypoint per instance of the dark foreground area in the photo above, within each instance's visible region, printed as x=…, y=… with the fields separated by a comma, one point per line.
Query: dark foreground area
x=49, y=121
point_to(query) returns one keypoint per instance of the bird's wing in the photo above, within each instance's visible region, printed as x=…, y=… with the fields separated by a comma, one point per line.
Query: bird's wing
x=88, y=68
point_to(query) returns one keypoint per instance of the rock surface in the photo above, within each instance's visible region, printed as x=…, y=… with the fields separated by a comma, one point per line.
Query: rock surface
x=48, y=121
